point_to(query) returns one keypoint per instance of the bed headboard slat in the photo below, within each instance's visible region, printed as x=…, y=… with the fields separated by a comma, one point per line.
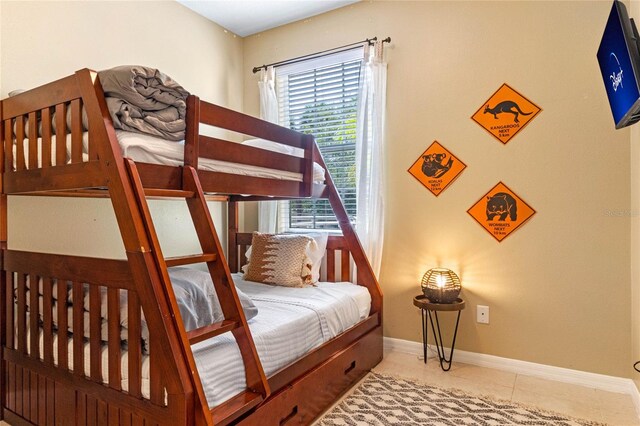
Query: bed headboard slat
x=331, y=264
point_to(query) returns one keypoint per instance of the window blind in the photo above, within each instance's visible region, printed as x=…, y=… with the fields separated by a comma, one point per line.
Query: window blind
x=321, y=99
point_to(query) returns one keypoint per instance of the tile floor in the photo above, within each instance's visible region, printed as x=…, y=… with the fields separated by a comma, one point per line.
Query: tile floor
x=577, y=401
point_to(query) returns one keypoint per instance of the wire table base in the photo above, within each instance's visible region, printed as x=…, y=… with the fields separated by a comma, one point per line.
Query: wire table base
x=429, y=311
x=445, y=363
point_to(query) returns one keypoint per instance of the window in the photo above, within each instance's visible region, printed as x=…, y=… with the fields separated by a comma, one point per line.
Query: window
x=320, y=97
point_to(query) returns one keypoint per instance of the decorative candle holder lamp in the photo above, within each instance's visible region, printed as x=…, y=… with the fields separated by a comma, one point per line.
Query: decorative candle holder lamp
x=441, y=285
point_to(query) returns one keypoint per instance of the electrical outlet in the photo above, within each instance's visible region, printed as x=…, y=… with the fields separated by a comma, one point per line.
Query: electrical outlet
x=483, y=314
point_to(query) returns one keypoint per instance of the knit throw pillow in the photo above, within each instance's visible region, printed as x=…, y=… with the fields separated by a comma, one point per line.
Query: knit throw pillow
x=279, y=260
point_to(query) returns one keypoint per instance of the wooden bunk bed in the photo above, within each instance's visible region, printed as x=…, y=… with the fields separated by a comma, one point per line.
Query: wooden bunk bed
x=38, y=384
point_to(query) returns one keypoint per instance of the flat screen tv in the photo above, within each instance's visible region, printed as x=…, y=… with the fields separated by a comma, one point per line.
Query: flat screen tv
x=619, y=61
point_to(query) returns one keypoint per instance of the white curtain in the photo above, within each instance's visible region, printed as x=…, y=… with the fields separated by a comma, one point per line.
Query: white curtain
x=370, y=154
x=268, y=210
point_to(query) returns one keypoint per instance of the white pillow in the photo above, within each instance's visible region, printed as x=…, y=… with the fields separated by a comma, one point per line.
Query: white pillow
x=315, y=253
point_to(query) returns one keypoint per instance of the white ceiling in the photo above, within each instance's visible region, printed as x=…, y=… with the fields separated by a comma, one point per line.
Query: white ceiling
x=246, y=17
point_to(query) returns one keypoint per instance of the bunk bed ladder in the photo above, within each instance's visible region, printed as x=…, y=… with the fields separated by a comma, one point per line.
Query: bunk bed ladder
x=235, y=320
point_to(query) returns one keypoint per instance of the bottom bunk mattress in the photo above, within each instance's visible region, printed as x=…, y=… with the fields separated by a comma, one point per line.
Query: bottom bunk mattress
x=290, y=323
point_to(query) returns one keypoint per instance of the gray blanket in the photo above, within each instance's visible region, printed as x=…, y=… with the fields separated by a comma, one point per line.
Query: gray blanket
x=145, y=100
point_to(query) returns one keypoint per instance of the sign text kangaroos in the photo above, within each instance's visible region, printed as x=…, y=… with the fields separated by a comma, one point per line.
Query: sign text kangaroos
x=505, y=113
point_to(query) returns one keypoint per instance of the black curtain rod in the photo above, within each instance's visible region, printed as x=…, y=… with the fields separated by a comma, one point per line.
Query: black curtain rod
x=344, y=48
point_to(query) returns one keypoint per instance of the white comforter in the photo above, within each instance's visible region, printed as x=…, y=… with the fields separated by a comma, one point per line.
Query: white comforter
x=290, y=323
x=149, y=149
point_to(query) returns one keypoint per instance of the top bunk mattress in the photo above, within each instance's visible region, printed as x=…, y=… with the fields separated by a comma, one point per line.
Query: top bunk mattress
x=149, y=149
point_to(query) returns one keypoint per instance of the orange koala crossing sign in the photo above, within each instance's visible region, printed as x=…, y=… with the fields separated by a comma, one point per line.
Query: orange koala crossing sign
x=500, y=211
x=505, y=113
x=436, y=168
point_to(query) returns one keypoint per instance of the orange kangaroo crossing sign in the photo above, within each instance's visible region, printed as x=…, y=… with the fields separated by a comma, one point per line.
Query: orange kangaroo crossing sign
x=505, y=113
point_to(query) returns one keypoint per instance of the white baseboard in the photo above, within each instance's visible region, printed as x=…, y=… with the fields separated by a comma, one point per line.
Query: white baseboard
x=559, y=374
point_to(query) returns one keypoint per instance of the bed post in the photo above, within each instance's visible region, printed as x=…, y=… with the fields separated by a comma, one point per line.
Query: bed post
x=309, y=156
x=3, y=278
x=232, y=232
x=192, y=133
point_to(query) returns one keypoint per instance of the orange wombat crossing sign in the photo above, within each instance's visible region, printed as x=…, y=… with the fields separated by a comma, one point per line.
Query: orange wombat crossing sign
x=500, y=211
x=505, y=113
x=436, y=168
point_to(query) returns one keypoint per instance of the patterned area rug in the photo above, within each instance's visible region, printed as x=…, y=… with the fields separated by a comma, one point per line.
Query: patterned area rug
x=384, y=400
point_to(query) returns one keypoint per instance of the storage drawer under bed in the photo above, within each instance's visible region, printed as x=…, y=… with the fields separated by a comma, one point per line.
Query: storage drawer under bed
x=303, y=400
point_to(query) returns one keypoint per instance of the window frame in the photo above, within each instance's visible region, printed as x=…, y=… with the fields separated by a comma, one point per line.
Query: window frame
x=281, y=77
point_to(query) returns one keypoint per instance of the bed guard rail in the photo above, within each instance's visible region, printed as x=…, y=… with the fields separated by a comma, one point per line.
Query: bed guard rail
x=201, y=146
x=47, y=135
